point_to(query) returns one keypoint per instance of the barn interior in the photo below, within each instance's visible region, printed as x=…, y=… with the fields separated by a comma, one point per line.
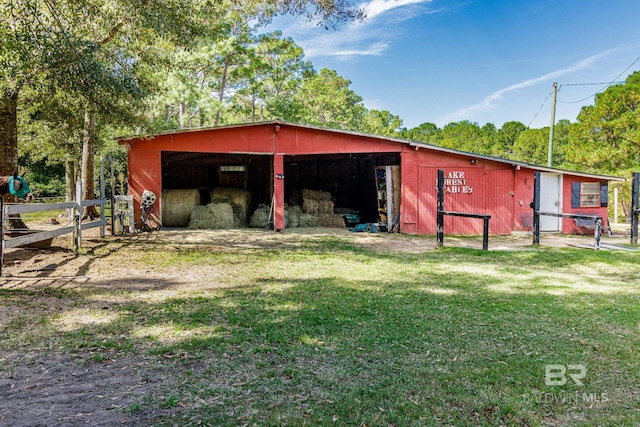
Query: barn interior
x=350, y=178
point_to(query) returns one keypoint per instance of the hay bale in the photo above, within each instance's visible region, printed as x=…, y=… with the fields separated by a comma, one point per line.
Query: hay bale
x=260, y=217
x=334, y=221
x=297, y=210
x=238, y=198
x=291, y=219
x=307, y=220
x=222, y=216
x=214, y=216
x=200, y=218
x=177, y=206
x=315, y=195
x=310, y=206
x=325, y=207
x=292, y=216
x=316, y=202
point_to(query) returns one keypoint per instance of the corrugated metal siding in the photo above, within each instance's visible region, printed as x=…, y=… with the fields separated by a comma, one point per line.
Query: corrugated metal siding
x=474, y=190
x=500, y=200
x=427, y=200
x=474, y=202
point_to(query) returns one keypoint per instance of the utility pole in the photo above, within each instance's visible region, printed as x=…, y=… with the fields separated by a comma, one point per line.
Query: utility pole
x=553, y=122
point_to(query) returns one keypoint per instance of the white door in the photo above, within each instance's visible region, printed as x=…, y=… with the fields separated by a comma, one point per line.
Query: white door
x=550, y=201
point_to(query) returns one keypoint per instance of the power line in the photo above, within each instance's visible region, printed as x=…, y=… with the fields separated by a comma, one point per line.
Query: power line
x=539, y=109
x=606, y=85
x=591, y=84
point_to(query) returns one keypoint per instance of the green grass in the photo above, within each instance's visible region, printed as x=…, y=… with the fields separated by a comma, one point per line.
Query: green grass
x=322, y=332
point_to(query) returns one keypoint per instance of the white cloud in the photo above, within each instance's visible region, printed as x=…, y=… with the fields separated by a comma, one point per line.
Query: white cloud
x=358, y=38
x=489, y=102
x=376, y=49
x=378, y=7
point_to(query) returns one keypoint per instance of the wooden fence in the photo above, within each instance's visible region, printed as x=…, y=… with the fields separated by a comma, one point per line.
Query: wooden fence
x=75, y=226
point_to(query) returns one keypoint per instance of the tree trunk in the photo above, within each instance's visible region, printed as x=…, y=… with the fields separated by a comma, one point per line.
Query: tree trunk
x=223, y=87
x=181, y=113
x=253, y=108
x=9, y=144
x=88, y=146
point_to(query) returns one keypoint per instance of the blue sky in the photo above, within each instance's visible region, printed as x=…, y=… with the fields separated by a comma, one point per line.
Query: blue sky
x=484, y=61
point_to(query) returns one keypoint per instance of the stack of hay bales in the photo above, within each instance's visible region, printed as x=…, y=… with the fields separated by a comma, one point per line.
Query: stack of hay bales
x=317, y=210
x=177, y=206
x=320, y=204
x=308, y=220
x=214, y=216
x=228, y=209
x=238, y=198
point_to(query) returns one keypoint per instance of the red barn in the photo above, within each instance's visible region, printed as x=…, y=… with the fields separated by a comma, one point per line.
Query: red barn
x=275, y=159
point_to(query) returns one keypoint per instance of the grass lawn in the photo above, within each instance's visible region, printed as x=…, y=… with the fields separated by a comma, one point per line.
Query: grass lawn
x=324, y=332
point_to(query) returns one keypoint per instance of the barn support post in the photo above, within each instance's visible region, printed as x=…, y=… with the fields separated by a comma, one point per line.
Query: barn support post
x=635, y=209
x=535, y=205
x=278, y=191
x=440, y=215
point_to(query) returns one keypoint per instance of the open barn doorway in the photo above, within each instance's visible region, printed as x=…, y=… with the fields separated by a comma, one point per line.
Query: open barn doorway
x=207, y=171
x=349, y=178
x=195, y=186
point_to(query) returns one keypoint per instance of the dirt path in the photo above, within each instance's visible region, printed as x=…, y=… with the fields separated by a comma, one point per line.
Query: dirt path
x=56, y=389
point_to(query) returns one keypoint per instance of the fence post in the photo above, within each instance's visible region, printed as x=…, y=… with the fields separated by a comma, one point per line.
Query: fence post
x=113, y=196
x=103, y=196
x=535, y=205
x=635, y=188
x=485, y=234
x=77, y=215
x=440, y=215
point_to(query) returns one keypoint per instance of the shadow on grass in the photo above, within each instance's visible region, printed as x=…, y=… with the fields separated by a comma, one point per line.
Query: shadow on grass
x=403, y=353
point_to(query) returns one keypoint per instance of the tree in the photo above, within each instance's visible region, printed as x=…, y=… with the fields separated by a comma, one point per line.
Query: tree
x=506, y=137
x=282, y=73
x=465, y=136
x=382, y=123
x=423, y=132
x=606, y=137
x=326, y=100
x=56, y=46
x=531, y=146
